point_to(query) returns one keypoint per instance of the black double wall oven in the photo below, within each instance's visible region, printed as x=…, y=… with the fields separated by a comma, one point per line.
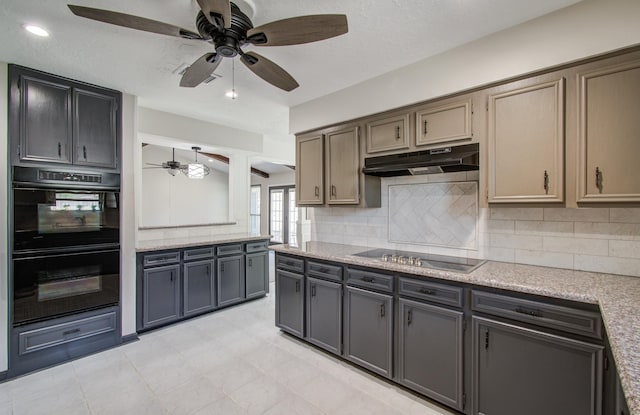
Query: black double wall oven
x=66, y=250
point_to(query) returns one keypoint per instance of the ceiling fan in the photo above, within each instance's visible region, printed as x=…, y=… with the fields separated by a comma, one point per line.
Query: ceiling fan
x=228, y=29
x=192, y=170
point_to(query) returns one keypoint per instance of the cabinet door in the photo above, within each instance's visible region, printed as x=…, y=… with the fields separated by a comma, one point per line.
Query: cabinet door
x=94, y=127
x=230, y=280
x=526, y=141
x=198, y=287
x=442, y=123
x=310, y=170
x=430, y=351
x=324, y=314
x=343, y=173
x=369, y=330
x=391, y=133
x=609, y=104
x=290, y=302
x=257, y=275
x=45, y=120
x=527, y=372
x=161, y=295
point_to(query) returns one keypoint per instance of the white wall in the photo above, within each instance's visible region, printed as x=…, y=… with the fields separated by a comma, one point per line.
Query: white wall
x=127, y=216
x=4, y=219
x=178, y=200
x=280, y=179
x=587, y=28
x=196, y=132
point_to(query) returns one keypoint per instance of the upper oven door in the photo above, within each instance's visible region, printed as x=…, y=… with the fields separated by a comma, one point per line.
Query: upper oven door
x=59, y=219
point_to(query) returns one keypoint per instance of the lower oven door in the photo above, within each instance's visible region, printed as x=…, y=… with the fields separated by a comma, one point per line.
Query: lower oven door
x=49, y=286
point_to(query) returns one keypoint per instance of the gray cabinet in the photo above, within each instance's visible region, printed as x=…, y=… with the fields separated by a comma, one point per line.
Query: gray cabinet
x=161, y=301
x=290, y=302
x=231, y=284
x=257, y=274
x=369, y=330
x=430, y=353
x=198, y=287
x=44, y=120
x=94, y=125
x=324, y=314
x=543, y=373
x=58, y=120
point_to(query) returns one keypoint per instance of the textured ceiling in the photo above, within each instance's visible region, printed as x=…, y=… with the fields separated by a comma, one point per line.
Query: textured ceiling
x=383, y=35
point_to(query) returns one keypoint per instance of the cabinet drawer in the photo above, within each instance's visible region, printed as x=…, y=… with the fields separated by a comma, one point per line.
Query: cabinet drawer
x=229, y=249
x=372, y=280
x=44, y=338
x=161, y=259
x=257, y=246
x=290, y=263
x=322, y=270
x=430, y=291
x=198, y=253
x=586, y=323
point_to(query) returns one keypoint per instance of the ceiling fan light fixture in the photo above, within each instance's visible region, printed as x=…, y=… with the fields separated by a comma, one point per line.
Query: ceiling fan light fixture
x=196, y=170
x=36, y=30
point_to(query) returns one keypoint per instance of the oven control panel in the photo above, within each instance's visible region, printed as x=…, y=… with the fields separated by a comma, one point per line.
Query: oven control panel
x=69, y=177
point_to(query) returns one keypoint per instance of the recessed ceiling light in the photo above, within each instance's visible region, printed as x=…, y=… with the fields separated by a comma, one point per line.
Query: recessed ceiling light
x=36, y=30
x=211, y=160
x=231, y=94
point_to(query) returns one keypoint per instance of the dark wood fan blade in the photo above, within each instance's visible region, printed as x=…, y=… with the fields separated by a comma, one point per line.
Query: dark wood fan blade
x=200, y=70
x=132, y=22
x=297, y=30
x=269, y=71
x=221, y=7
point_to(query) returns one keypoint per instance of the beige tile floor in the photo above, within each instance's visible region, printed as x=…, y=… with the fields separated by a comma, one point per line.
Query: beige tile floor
x=233, y=361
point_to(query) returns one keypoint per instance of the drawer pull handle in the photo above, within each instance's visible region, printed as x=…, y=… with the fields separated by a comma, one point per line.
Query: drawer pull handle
x=546, y=182
x=426, y=291
x=382, y=311
x=59, y=150
x=409, y=317
x=317, y=191
x=397, y=132
x=532, y=313
x=313, y=290
x=68, y=332
x=368, y=279
x=599, y=179
x=297, y=286
x=323, y=270
x=425, y=131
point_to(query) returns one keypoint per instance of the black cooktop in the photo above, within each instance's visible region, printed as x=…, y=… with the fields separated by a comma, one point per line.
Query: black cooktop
x=418, y=259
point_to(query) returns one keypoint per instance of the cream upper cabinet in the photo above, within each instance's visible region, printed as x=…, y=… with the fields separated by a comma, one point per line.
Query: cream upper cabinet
x=389, y=133
x=343, y=165
x=437, y=123
x=609, y=134
x=526, y=142
x=309, y=169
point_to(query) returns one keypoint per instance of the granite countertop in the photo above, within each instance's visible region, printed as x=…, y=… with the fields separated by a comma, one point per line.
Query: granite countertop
x=617, y=296
x=171, y=243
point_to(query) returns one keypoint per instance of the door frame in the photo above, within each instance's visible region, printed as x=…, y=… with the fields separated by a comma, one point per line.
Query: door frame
x=285, y=210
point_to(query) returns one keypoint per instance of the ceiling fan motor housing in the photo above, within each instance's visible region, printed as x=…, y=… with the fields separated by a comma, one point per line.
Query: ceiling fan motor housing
x=227, y=41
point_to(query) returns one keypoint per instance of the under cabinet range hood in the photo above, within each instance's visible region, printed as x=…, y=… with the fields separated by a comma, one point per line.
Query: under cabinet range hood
x=437, y=160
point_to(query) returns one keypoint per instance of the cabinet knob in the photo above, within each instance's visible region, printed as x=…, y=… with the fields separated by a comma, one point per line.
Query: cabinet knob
x=546, y=182
x=599, y=179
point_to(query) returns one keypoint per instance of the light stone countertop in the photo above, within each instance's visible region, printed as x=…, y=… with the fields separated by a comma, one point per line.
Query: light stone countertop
x=617, y=296
x=175, y=243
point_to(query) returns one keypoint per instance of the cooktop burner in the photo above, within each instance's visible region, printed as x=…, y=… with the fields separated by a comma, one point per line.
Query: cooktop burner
x=416, y=259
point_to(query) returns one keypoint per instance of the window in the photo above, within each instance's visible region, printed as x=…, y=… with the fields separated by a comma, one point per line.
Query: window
x=293, y=218
x=254, y=210
x=283, y=215
x=277, y=222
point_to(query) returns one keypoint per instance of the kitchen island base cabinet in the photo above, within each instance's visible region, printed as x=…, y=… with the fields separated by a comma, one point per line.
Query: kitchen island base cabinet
x=543, y=373
x=324, y=314
x=199, y=287
x=369, y=330
x=290, y=302
x=161, y=295
x=231, y=284
x=430, y=357
x=257, y=274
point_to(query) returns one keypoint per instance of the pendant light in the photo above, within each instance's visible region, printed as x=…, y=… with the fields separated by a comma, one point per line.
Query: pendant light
x=196, y=170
